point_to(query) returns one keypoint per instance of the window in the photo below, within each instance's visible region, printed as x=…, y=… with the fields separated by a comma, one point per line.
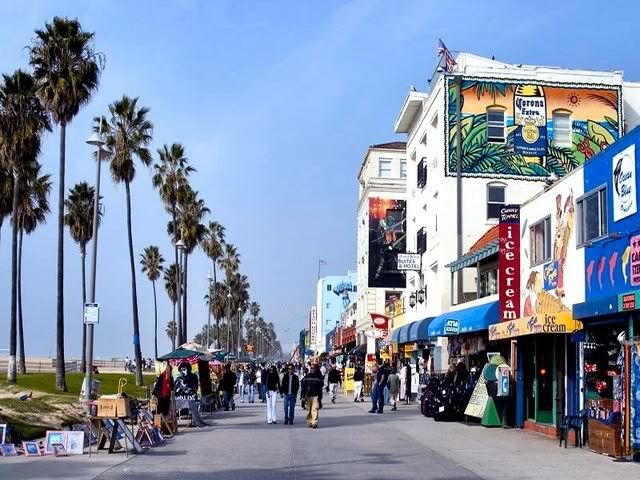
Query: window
x=495, y=200
x=403, y=168
x=562, y=128
x=355, y=289
x=327, y=306
x=488, y=283
x=422, y=174
x=434, y=121
x=423, y=140
x=540, y=241
x=495, y=125
x=592, y=216
x=328, y=287
x=421, y=241
x=384, y=169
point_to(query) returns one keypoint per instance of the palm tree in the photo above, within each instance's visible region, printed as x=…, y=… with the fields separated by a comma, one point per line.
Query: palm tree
x=152, y=265
x=79, y=218
x=170, y=179
x=128, y=135
x=171, y=286
x=22, y=121
x=33, y=207
x=171, y=332
x=212, y=245
x=254, y=311
x=230, y=261
x=67, y=70
x=6, y=193
x=239, y=288
x=191, y=211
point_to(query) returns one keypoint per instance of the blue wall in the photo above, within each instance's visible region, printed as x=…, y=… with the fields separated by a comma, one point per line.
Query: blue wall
x=335, y=300
x=610, y=250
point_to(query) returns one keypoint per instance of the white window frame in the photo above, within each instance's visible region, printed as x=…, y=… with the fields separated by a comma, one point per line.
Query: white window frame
x=601, y=191
x=538, y=258
x=490, y=202
x=493, y=124
x=386, y=161
x=403, y=168
x=566, y=141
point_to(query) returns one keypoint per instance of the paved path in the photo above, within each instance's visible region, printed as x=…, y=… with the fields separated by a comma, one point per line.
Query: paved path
x=348, y=445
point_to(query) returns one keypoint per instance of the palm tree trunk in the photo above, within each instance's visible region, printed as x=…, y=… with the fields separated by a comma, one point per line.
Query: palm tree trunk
x=155, y=323
x=215, y=317
x=134, y=293
x=22, y=364
x=178, y=325
x=83, y=255
x=11, y=369
x=61, y=382
x=184, y=299
x=173, y=329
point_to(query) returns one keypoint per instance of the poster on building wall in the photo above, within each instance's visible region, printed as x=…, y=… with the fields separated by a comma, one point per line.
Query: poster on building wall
x=509, y=263
x=634, y=243
x=387, y=238
x=529, y=130
x=623, y=178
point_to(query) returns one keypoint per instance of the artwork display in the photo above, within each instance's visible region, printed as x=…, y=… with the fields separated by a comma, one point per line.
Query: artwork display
x=186, y=382
x=74, y=443
x=54, y=437
x=31, y=449
x=3, y=432
x=529, y=130
x=387, y=238
x=8, y=450
x=59, y=450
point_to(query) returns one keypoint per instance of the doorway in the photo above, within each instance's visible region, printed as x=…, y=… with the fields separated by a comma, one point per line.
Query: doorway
x=540, y=378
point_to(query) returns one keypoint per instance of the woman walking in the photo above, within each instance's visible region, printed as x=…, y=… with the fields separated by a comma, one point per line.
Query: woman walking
x=273, y=387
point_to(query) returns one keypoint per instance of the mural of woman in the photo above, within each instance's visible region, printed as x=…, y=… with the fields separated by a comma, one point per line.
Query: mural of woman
x=534, y=287
x=565, y=220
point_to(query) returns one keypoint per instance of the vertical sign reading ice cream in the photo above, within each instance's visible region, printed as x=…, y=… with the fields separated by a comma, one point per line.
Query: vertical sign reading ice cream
x=635, y=260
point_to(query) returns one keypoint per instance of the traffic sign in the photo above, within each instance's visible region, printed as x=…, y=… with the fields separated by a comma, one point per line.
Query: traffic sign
x=91, y=313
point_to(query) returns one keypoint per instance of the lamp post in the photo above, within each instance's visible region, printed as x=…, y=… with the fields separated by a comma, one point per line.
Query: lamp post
x=239, y=328
x=209, y=310
x=181, y=333
x=97, y=141
x=228, y=322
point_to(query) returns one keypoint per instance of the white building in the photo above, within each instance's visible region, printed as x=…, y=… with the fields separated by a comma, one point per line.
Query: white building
x=509, y=115
x=382, y=175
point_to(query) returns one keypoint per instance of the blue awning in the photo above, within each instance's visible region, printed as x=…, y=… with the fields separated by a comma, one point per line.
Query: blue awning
x=403, y=336
x=422, y=335
x=595, y=308
x=395, y=334
x=472, y=319
x=412, y=332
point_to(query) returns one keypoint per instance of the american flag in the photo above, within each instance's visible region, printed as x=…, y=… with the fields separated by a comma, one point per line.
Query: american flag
x=443, y=52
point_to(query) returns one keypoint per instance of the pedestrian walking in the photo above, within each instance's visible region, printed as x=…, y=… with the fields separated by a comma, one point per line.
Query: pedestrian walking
x=289, y=390
x=273, y=387
x=243, y=380
x=407, y=383
x=251, y=383
x=374, y=389
x=358, y=378
x=311, y=394
x=228, y=385
x=393, y=384
x=381, y=382
x=335, y=379
x=263, y=382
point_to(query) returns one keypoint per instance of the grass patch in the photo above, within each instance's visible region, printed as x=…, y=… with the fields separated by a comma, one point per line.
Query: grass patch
x=45, y=382
x=27, y=406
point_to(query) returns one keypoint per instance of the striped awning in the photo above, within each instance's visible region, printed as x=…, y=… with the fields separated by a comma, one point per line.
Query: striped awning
x=472, y=258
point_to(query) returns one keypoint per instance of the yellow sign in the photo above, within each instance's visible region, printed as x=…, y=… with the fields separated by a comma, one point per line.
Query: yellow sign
x=348, y=379
x=561, y=322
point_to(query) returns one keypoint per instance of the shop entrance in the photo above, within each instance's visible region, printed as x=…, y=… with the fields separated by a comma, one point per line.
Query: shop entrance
x=540, y=376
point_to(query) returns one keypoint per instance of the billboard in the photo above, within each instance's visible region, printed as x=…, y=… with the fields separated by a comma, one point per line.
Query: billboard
x=387, y=238
x=528, y=129
x=509, y=263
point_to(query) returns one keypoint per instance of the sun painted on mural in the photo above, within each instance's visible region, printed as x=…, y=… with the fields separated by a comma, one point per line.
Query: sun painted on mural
x=524, y=129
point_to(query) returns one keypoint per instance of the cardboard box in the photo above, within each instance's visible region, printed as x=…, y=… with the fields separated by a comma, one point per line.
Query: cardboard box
x=114, y=407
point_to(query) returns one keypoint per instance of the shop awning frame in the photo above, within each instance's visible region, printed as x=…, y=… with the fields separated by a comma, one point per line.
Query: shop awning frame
x=466, y=320
x=416, y=331
x=472, y=258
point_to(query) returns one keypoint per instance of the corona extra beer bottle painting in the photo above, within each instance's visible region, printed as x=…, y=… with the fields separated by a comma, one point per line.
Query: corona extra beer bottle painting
x=530, y=118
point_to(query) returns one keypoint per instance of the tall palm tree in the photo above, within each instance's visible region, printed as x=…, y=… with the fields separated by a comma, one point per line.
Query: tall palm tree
x=230, y=261
x=171, y=332
x=191, y=211
x=79, y=218
x=67, y=70
x=171, y=286
x=22, y=121
x=170, y=179
x=239, y=288
x=6, y=193
x=254, y=311
x=33, y=207
x=128, y=135
x=213, y=245
x=151, y=262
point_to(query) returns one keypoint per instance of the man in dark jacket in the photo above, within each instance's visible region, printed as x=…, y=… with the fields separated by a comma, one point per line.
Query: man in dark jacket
x=358, y=378
x=289, y=389
x=228, y=385
x=311, y=394
x=335, y=379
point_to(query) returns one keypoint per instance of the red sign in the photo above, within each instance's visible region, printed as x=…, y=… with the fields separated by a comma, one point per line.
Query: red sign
x=629, y=301
x=635, y=260
x=381, y=322
x=509, y=263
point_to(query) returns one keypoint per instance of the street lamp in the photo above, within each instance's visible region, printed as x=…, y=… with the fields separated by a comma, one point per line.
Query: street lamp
x=239, y=328
x=412, y=299
x=210, y=278
x=421, y=295
x=96, y=140
x=182, y=335
x=228, y=322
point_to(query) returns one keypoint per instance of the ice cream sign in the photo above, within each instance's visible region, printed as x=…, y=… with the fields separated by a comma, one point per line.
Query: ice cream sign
x=624, y=183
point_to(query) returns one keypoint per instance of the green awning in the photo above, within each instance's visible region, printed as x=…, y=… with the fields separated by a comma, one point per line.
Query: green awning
x=474, y=257
x=180, y=353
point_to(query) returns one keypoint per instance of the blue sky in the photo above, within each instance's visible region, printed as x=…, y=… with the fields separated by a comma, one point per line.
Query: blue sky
x=275, y=103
